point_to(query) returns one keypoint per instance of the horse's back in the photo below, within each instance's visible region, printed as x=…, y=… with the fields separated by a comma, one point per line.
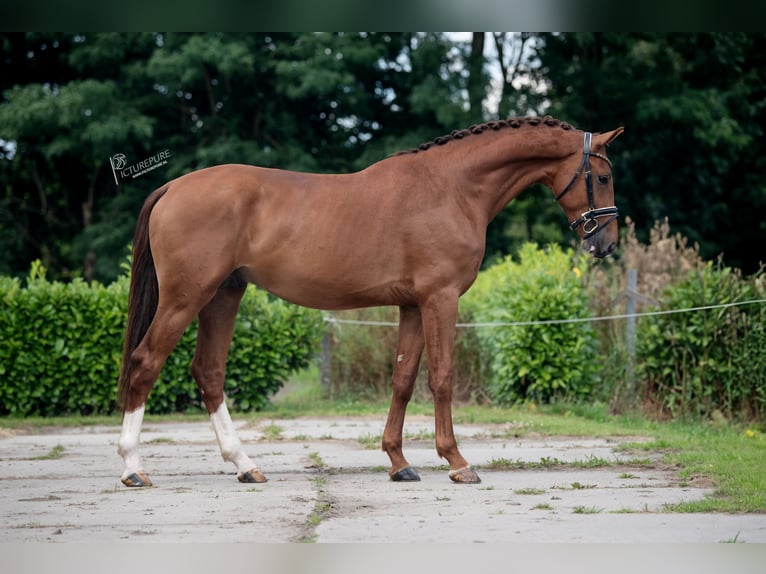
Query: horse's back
x=318, y=240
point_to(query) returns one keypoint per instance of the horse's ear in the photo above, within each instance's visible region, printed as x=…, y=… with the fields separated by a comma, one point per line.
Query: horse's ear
x=604, y=139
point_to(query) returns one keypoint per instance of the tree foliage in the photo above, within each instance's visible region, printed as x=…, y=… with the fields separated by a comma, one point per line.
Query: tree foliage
x=319, y=102
x=693, y=108
x=692, y=105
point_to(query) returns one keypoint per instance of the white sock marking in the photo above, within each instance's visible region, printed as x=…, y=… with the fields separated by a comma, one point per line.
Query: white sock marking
x=130, y=437
x=228, y=441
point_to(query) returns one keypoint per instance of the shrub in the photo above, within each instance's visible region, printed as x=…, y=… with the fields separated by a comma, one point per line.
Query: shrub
x=708, y=362
x=61, y=344
x=362, y=358
x=509, y=364
x=534, y=362
x=679, y=373
x=272, y=338
x=664, y=261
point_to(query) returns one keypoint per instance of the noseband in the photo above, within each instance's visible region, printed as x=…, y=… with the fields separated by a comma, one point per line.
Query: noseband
x=589, y=219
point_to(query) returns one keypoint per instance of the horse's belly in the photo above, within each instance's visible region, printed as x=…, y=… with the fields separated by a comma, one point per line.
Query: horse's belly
x=330, y=291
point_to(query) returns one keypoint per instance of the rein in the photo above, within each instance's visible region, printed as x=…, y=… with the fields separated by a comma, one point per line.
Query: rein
x=589, y=219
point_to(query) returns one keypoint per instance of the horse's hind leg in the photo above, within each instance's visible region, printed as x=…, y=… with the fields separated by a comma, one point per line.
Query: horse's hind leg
x=216, y=327
x=408, y=352
x=146, y=362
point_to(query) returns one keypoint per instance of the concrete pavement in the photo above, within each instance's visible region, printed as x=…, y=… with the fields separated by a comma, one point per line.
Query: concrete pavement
x=328, y=482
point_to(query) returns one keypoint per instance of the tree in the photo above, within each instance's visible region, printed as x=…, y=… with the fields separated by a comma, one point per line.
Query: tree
x=518, y=88
x=330, y=102
x=63, y=131
x=693, y=108
x=692, y=104
x=521, y=84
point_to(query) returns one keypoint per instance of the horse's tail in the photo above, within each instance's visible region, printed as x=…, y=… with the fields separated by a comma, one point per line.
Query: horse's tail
x=144, y=293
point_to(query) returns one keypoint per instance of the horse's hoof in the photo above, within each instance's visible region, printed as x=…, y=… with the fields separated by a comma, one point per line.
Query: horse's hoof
x=465, y=475
x=252, y=475
x=407, y=474
x=138, y=478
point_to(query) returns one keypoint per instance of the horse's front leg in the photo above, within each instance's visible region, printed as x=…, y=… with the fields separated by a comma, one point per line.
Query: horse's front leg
x=439, y=315
x=216, y=327
x=408, y=352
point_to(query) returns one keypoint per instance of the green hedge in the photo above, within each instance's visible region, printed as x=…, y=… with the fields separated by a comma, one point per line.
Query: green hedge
x=536, y=362
x=61, y=344
x=706, y=362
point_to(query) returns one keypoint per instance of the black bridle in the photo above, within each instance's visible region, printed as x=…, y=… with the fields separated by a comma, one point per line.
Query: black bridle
x=589, y=219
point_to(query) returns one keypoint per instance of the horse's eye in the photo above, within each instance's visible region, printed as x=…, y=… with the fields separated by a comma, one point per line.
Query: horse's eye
x=603, y=179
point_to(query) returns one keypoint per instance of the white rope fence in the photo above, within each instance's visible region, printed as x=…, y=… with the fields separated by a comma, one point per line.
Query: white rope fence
x=333, y=320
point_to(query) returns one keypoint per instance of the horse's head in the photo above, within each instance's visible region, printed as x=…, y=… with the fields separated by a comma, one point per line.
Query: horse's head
x=587, y=193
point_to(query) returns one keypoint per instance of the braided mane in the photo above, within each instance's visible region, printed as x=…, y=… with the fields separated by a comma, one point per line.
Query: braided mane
x=491, y=125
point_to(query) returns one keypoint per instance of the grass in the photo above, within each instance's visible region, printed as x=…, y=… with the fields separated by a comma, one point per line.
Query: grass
x=53, y=454
x=581, y=486
x=529, y=491
x=316, y=461
x=554, y=462
x=161, y=440
x=547, y=462
x=733, y=460
x=628, y=475
x=323, y=505
x=272, y=432
x=370, y=441
x=373, y=441
x=734, y=540
x=42, y=424
x=586, y=510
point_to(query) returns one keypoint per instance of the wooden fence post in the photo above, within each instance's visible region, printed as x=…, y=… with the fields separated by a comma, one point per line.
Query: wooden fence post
x=325, y=368
x=630, y=333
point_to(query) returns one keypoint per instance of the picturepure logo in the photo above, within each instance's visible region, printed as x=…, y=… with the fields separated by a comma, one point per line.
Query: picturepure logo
x=121, y=170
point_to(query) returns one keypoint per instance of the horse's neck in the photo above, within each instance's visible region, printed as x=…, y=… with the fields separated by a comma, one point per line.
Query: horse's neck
x=500, y=166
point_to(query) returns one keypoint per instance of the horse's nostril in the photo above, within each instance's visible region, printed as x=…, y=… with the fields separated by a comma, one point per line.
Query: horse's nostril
x=600, y=253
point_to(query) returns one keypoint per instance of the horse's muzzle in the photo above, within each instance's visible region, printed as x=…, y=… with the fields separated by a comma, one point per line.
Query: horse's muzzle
x=599, y=246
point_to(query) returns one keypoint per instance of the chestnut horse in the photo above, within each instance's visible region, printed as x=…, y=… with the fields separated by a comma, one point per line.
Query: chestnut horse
x=409, y=231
